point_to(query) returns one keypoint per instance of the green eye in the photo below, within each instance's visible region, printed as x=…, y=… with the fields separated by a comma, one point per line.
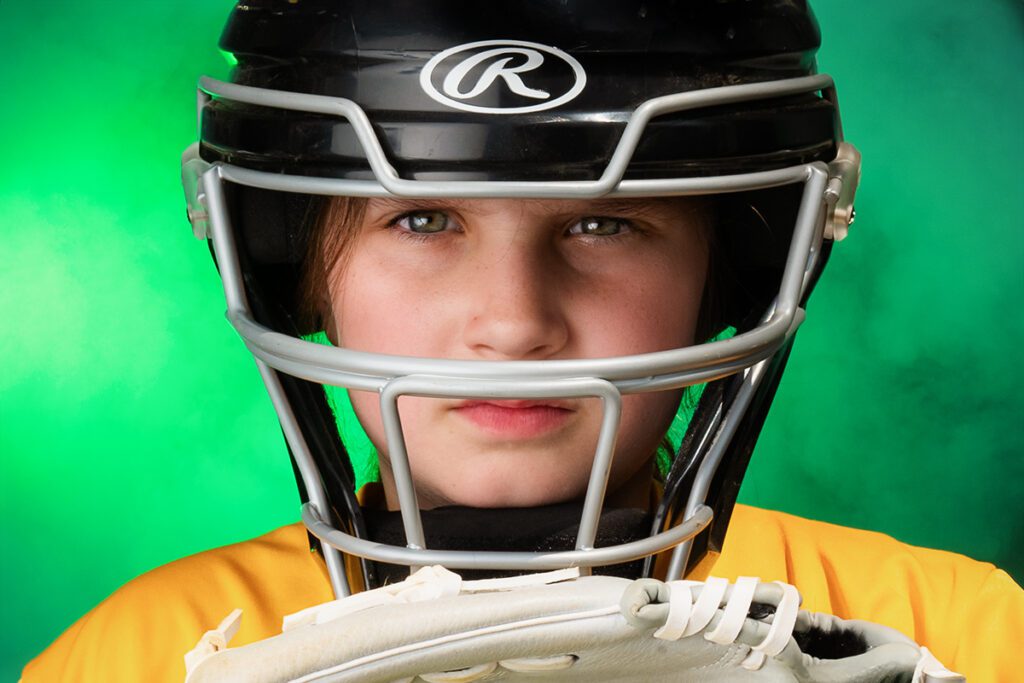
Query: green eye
x=424, y=222
x=599, y=226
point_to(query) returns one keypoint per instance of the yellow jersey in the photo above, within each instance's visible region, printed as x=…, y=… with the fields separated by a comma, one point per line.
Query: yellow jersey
x=969, y=614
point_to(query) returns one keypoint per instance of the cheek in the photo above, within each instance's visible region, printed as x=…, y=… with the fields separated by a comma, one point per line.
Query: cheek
x=653, y=307
x=645, y=419
x=378, y=309
x=367, y=409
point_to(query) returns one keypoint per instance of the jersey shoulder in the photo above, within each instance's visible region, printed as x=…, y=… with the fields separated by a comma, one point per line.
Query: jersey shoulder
x=143, y=630
x=967, y=612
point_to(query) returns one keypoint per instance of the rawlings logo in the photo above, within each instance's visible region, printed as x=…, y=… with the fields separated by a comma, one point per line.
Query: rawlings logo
x=502, y=77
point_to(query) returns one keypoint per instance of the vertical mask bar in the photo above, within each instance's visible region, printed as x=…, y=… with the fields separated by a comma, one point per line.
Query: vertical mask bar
x=413, y=385
x=611, y=401
x=224, y=242
x=832, y=95
x=707, y=469
x=824, y=212
x=310, y=479
x=398, y=456
x=806, y=235
x=805, y=246
x=234, y=293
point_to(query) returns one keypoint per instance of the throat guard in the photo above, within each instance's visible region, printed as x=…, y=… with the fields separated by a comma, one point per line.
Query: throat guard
x=546, y=529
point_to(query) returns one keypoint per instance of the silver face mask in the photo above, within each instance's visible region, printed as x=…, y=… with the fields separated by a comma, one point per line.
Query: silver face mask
x=824, y=214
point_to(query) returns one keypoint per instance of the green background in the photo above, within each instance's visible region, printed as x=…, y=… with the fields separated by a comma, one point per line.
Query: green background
x=134, y=428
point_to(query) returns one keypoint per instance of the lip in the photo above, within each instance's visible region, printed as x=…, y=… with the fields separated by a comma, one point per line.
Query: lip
x=516, y=419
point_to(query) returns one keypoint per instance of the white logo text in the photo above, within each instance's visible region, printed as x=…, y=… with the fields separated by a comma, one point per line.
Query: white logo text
x=507, y=64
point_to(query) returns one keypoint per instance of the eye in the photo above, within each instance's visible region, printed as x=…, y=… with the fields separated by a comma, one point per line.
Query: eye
x=424, y=222
x=600, y=226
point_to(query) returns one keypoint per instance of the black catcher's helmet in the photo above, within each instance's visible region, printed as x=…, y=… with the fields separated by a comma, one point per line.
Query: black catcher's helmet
x=537, y=99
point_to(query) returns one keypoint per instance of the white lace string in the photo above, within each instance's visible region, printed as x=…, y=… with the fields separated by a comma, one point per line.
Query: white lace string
x=711, y=596
x=680, y=609
x=213, y=641
x=687, y=617
x=782, y=623
x=735, y=612
x=931, y=669
x=779, y=632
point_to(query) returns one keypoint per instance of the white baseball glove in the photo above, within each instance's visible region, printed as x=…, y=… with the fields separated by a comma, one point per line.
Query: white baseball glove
x=436, y=628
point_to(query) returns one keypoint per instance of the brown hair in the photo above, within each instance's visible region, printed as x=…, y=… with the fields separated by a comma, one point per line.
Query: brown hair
x=330, y=241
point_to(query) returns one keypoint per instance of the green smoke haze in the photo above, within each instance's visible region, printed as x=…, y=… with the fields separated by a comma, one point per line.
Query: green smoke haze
x=134, y=428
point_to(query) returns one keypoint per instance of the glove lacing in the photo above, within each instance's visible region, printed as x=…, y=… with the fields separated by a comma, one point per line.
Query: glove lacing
x=687, y=617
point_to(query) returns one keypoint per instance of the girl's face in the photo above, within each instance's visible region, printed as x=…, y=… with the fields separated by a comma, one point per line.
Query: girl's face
x=519, y=279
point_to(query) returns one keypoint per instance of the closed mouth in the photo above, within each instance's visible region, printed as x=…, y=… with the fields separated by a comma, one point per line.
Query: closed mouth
x=516, y=418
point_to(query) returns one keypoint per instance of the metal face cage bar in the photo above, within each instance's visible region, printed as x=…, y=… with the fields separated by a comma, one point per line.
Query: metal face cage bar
x=606, y=378
x=610, y=183
x=414, y=385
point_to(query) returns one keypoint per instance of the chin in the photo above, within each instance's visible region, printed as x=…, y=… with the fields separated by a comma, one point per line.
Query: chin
x=502, y=488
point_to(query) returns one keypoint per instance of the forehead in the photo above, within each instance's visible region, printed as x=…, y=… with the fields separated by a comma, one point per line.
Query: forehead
x=541, y=207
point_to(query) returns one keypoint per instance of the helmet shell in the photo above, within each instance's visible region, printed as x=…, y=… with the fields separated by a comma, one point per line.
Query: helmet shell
x=375, y=54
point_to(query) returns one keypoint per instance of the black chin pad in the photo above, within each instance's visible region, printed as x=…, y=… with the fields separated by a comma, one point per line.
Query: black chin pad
x=542, y=529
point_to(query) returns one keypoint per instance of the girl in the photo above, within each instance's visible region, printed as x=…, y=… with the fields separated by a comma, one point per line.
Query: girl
x=500, y=222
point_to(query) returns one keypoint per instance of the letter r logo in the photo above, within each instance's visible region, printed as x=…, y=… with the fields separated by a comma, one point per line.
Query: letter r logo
x=499, y=67
x=503, y=77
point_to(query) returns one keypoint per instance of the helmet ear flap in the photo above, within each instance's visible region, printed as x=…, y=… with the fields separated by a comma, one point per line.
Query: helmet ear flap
x=274, y=227
x=750, y=245
x=273, y=230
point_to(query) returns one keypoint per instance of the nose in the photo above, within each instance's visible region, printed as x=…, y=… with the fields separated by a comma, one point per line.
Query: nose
x=517, y=308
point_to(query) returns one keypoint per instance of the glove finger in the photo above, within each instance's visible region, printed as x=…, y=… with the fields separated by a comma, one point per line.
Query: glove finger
x=752, y=632
x=829, y=637
x=892, y=661
x=876, y=634
x=644, y=603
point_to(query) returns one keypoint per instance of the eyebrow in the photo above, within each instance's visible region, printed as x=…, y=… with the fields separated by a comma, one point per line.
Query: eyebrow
x=632, y=207
x=409, y=203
